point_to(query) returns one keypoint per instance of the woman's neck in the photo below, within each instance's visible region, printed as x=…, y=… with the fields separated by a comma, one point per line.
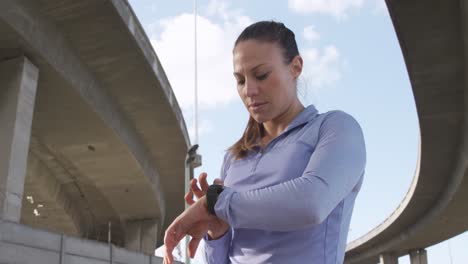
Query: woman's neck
x=275, y=126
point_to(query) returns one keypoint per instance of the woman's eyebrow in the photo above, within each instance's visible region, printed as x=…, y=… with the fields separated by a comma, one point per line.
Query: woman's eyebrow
x=261, y=64
x=254, y=68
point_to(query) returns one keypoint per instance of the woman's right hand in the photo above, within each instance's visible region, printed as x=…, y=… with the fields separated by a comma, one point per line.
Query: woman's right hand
x=216, y=228
x=199, y=192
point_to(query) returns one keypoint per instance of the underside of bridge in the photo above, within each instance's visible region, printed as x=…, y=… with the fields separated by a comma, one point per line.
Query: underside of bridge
x=433, y=36
x=95, y=140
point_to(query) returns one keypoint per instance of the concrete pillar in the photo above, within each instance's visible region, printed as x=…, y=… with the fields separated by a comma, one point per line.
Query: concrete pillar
x=18, y=83
x=418, y=256
x=141, y=235
x=388, y=258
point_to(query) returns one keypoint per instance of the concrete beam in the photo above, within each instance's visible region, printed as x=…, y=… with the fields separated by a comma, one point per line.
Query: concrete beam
x=18, y=82
x=388, y=258
x=135, y=28
x=46, y=39
x=418, y=256
x=141, y=235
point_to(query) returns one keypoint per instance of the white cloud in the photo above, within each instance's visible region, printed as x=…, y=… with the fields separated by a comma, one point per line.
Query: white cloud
x=337, y=8
x=311, y=34
x=218, y=8
x=175, y=48
x=380, y=7
x=322, y=68
x=223, y=10
x=204, y=127
x=172, y=39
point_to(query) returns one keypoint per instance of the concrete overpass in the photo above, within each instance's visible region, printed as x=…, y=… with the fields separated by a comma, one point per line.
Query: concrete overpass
x=433, y=36
x=91, y=134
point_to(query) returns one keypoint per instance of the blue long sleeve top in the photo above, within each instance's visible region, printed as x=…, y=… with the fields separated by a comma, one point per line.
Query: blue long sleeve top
x=292, y=201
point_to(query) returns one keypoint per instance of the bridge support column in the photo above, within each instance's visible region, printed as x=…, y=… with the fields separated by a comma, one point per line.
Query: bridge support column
x=18, y=84
x=141, y=235
x=388, y=258
x=418, y=256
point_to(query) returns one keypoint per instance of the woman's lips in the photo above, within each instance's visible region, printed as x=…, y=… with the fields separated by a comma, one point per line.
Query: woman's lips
x=257, y=106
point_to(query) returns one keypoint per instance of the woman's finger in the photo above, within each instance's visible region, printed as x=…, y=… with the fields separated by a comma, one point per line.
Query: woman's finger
x=193, y=245
x=193, y=184
x=169, y=248
x=168, y=258
x=203, y=183
x=170, y=240
x=189, y=197
x=195, y=189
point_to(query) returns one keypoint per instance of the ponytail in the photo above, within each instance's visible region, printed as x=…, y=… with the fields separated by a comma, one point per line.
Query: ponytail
x=249, y=140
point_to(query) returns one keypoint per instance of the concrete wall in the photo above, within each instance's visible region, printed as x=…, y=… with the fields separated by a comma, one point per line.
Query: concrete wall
x=23, y=244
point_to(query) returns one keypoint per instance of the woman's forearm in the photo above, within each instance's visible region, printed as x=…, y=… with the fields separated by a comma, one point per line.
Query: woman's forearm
x=334, y=169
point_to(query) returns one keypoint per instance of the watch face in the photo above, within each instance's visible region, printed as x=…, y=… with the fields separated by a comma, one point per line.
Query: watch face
x=216, y=188
x=212, y=196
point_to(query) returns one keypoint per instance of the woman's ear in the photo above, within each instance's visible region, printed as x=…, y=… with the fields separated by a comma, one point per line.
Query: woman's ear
x=296, y=66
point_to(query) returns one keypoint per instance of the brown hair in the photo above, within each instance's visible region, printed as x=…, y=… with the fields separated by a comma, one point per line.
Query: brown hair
x=249, y=140
x=265, y=31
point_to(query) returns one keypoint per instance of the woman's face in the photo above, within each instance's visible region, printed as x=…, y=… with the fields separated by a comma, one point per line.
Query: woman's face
x=265, y=83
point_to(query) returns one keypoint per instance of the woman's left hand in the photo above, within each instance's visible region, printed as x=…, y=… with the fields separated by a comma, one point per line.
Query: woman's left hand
x=195, y=222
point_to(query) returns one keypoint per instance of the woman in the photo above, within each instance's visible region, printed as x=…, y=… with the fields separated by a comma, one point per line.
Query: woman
x=290, y=182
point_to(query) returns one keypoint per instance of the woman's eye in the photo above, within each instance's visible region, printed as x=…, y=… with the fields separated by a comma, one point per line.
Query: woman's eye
x=240, y=82
x=262, y=77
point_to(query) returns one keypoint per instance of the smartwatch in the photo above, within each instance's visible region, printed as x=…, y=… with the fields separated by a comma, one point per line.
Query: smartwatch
x=212, y=196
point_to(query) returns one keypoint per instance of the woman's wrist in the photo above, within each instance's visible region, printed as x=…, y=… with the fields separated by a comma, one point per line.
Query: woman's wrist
x=204, y=203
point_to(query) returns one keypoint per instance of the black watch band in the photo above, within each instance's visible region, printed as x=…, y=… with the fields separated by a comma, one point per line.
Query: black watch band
x=212, y=196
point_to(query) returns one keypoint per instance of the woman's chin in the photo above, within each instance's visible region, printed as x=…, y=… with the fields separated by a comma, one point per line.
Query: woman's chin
x=259, y=118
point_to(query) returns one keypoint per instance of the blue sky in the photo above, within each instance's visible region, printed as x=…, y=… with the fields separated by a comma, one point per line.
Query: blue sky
x=353, y=62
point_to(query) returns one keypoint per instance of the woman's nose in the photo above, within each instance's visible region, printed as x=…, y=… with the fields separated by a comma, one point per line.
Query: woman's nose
x=251, y=88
